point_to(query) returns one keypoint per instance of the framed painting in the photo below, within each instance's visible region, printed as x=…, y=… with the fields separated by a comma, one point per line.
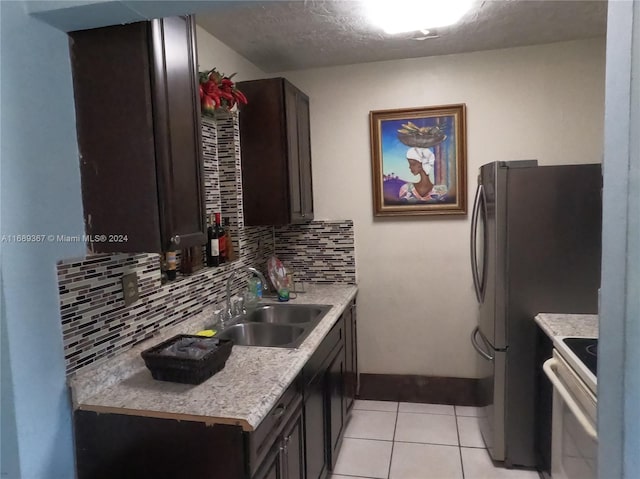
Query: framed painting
x=419, y=161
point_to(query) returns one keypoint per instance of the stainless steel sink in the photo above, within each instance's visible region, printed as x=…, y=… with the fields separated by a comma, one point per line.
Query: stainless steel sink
x=286, y=314
x=259, y=334
x=275, y=325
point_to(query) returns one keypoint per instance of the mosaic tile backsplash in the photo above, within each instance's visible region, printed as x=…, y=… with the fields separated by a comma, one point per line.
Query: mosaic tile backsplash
x=319, y=252
x=96, y=325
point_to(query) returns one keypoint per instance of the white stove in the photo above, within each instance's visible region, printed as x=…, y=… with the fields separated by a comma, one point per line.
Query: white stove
x=582, y=355
x=573, y=372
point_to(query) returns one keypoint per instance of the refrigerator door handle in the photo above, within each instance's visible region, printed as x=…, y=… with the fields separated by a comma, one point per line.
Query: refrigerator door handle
x=473, y=241
x=477, y=346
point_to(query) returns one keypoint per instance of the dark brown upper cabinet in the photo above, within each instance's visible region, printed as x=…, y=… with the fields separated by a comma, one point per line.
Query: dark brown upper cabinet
x=139, y=135
x=276, y=153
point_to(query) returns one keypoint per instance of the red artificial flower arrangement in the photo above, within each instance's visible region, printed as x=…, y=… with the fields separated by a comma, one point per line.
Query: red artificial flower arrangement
x=218, y=92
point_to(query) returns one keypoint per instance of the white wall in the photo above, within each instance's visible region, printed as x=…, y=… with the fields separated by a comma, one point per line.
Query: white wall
x=213, y=53
x=416, y=301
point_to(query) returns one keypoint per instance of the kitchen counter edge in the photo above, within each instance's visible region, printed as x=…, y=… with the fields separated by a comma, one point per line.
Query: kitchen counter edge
x=559, y=325
x=242, y=393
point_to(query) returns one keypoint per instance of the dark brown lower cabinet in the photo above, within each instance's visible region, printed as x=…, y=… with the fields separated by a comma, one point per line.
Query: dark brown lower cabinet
x=315, y=426
x=286, y=458
x=294, y=447
x=273, y=466
x=299, y=438
x=121, y=446
x=325, y=407
x=544, y=405
x=337, y=404
x=351, y=355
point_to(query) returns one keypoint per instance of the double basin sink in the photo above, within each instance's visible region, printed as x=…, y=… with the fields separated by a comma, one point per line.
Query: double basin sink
x=275, y=325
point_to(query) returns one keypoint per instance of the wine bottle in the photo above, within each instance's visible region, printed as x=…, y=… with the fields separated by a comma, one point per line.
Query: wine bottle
x=213, y=246
x=218, y=233
x=230, y=252
x=170, y=258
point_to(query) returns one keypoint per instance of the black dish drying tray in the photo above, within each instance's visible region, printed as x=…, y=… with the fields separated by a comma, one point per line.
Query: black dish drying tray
x=187, y=358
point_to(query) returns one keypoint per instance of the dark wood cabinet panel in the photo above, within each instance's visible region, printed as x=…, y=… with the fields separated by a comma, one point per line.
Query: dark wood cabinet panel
x=351, y=356
x=271, y=429
x=315, y=428
x=543, y=405
x=139, y=135
x=337, y=405
x=112, y=446
x=293, y=442
x=304, y=157
x=276, y=153
x=325, y=402
x=273, y=465
x=286, y=457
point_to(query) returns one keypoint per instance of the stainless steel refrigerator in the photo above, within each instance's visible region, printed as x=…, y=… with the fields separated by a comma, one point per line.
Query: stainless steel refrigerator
x=535, y=247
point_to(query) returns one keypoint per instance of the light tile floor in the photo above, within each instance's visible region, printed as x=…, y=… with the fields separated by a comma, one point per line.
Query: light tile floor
x=390, y=440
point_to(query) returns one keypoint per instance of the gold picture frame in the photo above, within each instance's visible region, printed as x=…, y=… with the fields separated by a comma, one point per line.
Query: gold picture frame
x=419, y=161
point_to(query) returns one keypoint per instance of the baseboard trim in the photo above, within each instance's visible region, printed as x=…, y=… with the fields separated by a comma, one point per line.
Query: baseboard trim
x=425, y=389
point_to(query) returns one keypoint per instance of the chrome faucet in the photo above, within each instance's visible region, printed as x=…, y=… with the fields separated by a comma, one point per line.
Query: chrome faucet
x=229, y=312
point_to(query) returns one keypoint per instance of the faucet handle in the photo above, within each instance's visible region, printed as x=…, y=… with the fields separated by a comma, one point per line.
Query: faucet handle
x=237, y=305
x=218, y=319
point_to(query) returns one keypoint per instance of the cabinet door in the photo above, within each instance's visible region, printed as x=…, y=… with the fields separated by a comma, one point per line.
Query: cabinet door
x=337, y=405
x=273, y=466
x=293, y=441
x=291, y=95
x=276, y=153
x=178, y=133
x=138, y=122
x=114, y=121
x=349, y=352
x=264, y=145
x=304, y=157
x=315, y=428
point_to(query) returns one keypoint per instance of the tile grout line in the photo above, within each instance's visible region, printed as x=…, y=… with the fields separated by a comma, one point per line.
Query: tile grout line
x=455, y=414
x=369, y=439
x=429, y=443
x=393, y=442
x=412, y=442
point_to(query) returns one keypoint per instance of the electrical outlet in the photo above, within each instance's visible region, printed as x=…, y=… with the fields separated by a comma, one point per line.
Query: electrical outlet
x=130, y=288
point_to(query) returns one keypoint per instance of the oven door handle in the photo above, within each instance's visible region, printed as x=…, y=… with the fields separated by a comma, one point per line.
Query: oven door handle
x=549, y=367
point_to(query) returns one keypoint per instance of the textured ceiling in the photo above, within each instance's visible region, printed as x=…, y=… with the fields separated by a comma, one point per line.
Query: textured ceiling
x=294, y=35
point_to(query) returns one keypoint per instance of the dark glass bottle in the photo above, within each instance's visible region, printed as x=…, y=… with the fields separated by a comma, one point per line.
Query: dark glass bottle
x=230, y=254
x=170, y=258
x=213, y=246
x=219, y=234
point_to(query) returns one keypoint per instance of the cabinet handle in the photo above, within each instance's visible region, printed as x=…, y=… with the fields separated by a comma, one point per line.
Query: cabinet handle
x=175, y=239
x=279, y=410
x=283, y=461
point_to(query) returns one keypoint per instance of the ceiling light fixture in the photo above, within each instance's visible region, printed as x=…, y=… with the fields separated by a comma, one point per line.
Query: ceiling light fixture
x=401, y=16
x=426, y=37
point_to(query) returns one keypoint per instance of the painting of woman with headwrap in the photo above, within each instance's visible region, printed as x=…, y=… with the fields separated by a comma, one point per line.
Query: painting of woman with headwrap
x=419, y=161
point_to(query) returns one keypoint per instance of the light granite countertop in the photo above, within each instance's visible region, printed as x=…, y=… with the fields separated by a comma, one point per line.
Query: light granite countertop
x=241, y=394
x=558, y=325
